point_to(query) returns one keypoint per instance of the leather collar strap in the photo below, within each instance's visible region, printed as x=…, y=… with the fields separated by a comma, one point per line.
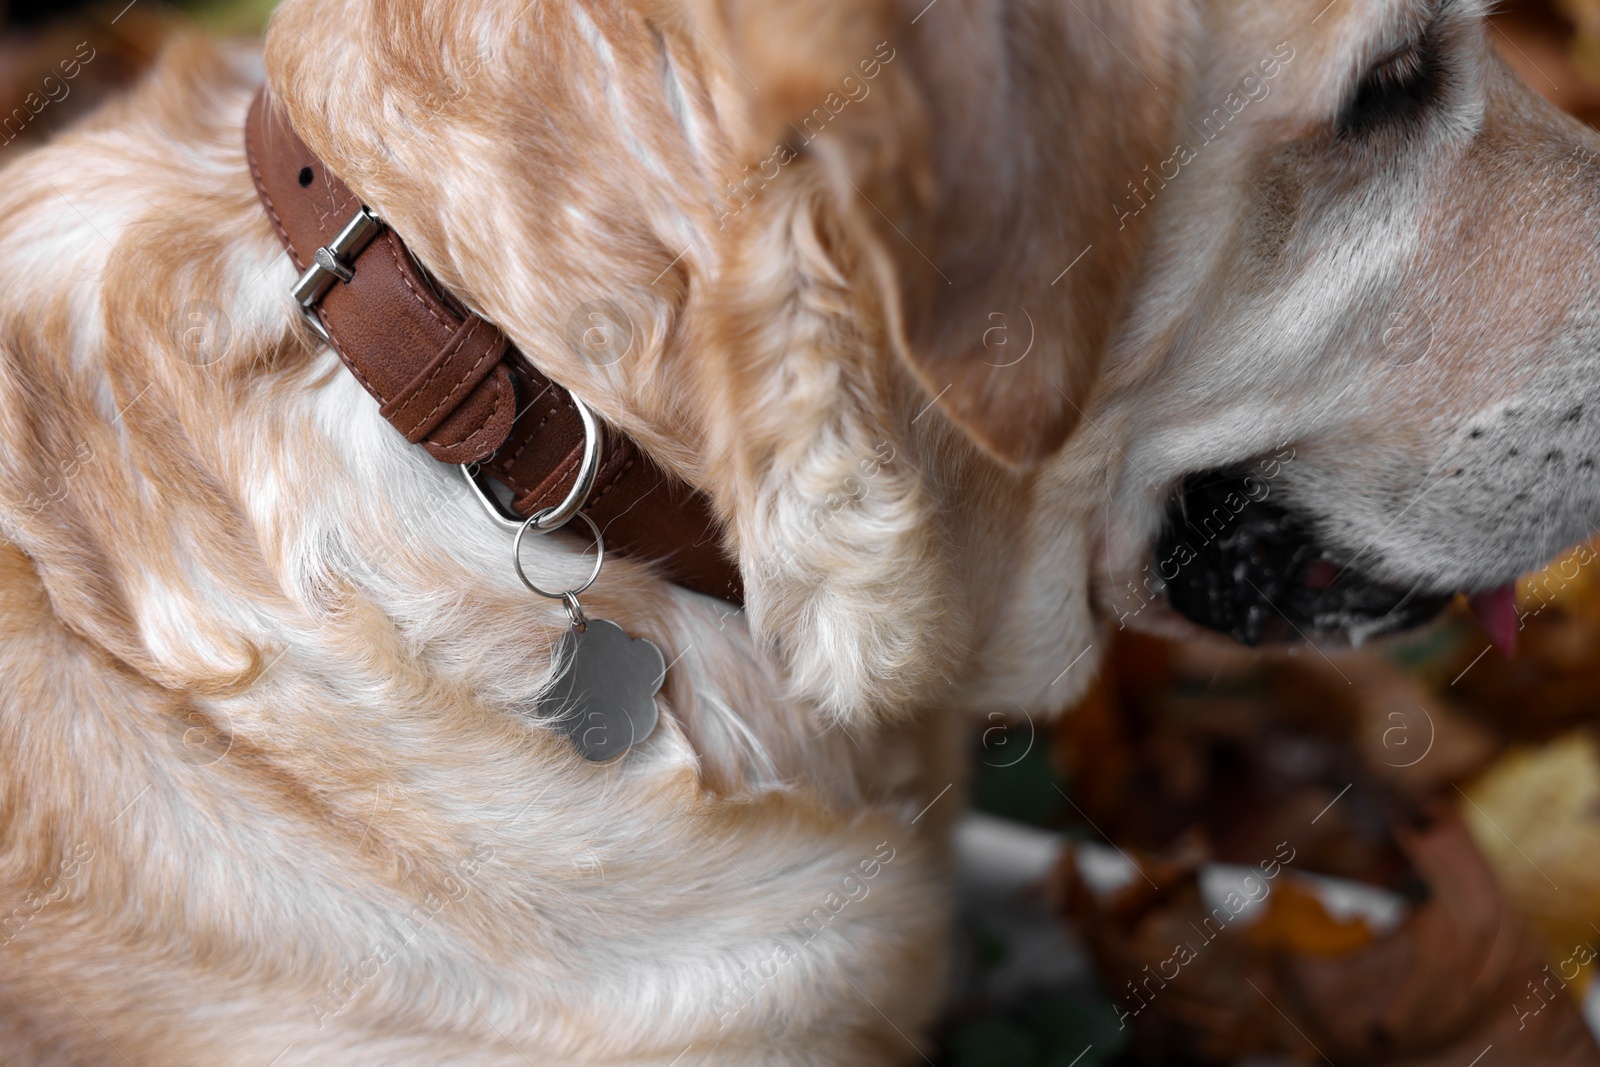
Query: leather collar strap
x=450, y=381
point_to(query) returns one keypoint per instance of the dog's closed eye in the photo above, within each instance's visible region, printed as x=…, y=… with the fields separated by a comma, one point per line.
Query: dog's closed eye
x=1397, y=92
x=1410, y=79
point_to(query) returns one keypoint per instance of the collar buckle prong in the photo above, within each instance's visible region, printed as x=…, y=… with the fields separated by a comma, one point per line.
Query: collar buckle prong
x=335, y=261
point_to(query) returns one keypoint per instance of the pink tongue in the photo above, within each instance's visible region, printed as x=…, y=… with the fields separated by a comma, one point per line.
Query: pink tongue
x=1497, y=614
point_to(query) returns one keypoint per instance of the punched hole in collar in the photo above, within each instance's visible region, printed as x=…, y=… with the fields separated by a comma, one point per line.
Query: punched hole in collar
x=305, y=176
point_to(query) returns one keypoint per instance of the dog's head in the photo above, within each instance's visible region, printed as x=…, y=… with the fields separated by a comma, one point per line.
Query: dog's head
x=860, y=270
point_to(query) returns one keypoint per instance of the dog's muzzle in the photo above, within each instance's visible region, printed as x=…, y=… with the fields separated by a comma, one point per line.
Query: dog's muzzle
x=1252, y=569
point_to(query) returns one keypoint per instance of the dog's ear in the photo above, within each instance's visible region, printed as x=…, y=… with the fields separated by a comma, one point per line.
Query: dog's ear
x=1004, y=165
x=1010, y=273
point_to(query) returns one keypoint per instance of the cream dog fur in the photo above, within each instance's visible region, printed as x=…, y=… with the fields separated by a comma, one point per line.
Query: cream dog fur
x=904, y=300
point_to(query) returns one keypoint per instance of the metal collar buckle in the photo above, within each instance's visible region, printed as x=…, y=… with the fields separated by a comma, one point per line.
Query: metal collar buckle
x=334, y=262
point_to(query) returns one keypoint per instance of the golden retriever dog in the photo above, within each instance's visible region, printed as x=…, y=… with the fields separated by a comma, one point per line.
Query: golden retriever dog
x=985, y=325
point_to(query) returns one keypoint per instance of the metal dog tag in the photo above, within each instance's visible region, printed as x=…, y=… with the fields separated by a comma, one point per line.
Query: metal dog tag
x=605, y=699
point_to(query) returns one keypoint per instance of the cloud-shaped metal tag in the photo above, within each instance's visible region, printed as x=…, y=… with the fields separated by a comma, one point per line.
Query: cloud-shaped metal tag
x=605, y=699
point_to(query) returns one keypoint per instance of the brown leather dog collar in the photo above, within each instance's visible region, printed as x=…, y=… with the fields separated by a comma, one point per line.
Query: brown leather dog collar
x=450, y=381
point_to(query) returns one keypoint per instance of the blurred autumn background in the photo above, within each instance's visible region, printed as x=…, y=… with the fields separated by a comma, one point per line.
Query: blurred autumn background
x=1224, y=856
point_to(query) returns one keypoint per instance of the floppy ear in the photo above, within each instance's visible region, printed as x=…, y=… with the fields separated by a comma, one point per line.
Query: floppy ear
x=1004, y=167
x=1010, y=271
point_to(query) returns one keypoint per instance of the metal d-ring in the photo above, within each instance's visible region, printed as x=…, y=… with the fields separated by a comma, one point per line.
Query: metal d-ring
x=551, y=519
x=569, y=597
